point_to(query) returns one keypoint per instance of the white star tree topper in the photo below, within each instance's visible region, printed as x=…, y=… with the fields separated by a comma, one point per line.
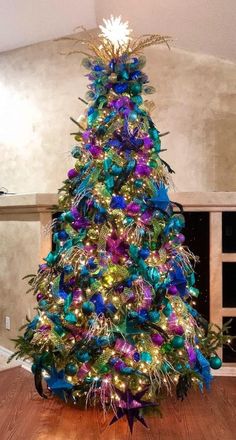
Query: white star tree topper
x=116, y=31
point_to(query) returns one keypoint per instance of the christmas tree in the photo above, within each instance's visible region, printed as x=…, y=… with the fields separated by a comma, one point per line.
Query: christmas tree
x=115, y=323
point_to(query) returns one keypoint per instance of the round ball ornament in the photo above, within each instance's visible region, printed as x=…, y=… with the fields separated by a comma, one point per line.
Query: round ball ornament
x=135, y=89
x=215, y=362
x=82, y=357
x=178, y=341
x=71, y=369
x=88, y=307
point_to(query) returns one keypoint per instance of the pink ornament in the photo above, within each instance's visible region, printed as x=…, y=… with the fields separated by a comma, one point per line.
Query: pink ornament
x=83, y=371
x=124, y=347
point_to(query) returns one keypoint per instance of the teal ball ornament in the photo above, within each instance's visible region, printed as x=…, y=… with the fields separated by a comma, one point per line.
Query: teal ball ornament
x=71, y=369
x=88, y=307
x=215, y=362
x=167, y=310
x=154, y=316
x=43, y=304
x=138, y=183
x=135, y=89
x=165, y=368
x=178, y=341
x=33, y=368
x=82, y=357
x=133, y=116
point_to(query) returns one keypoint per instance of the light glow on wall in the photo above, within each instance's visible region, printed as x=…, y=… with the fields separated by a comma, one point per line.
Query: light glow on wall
x=19, y=117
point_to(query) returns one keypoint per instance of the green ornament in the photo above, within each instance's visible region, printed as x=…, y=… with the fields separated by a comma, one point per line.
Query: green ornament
x=71, y=369
x=166, y=348
x=104, y=369
x=33, y=368
x=68, y=216
x=101, y=130
x=215, y=362
x=88, y=307
x=178, y=341
x=153, y=164
x=135, y=89
x=101, y=101
x=153, y=245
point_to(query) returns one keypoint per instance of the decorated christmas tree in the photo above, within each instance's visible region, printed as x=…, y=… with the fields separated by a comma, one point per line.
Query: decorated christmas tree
x=115, y=323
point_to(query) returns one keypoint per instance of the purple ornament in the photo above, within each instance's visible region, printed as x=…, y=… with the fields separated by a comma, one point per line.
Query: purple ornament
x=147, y=142
x=119, y=365
x=146, y=217
x=72, y=173
x=142, y=169
x=86, y=135
x=74, y=212
x=157, y=339
x=95, y=150
x=179, y=238
x=172, y=290
x=39, y=296
x=179, y=330
x=133, y=208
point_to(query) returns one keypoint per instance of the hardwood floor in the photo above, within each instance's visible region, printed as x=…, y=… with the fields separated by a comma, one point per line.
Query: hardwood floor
x=25, y=416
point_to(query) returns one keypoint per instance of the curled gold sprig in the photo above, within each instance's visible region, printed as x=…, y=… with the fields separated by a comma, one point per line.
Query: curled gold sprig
x=103, y=49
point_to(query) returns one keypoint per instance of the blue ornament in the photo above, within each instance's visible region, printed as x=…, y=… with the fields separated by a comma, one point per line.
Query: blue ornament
x=120, y=88
x=68, y=268
x=118, y=202
x=144, y=253
x=127, y=370
x=62, y=235
x=135, y=75
x=136, y=356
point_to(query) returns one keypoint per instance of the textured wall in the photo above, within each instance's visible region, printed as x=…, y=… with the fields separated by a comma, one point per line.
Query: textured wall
x=39, y=88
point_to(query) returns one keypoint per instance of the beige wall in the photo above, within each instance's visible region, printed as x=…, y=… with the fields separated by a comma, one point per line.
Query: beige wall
x=39, y=88
x=195, y=101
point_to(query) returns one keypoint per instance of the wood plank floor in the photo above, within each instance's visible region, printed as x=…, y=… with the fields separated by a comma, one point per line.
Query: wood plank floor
x=25, y=416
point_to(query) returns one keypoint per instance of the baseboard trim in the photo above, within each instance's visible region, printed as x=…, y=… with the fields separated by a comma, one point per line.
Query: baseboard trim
x=24, y=364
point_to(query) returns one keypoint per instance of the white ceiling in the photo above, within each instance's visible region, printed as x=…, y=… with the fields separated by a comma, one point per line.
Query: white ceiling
x=205, y=26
